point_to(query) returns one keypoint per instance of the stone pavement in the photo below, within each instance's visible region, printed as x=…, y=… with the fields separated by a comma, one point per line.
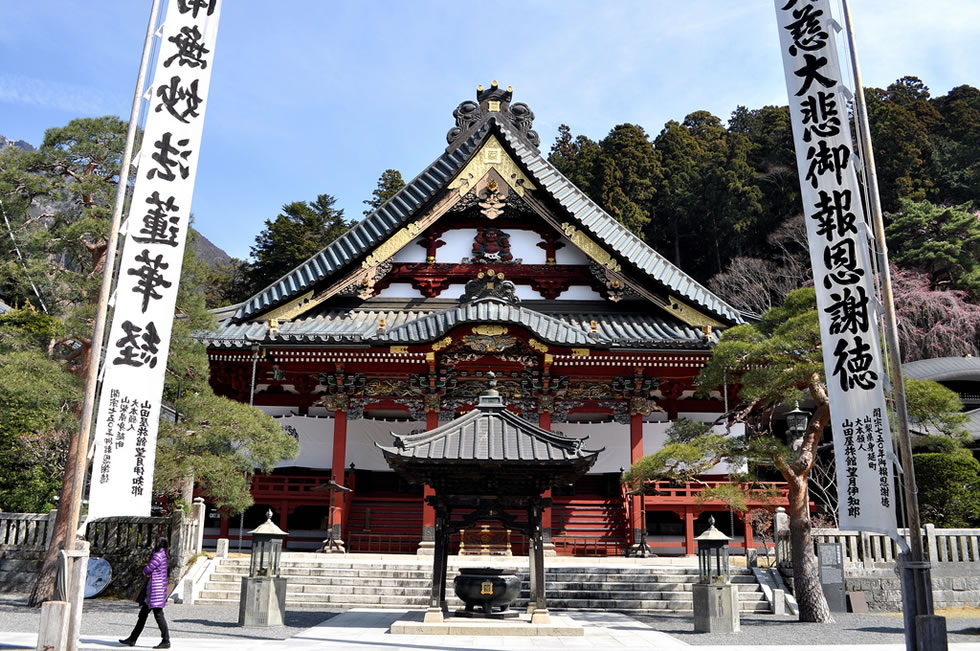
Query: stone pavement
x=367, y=629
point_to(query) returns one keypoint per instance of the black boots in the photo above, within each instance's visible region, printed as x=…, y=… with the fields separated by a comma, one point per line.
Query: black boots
x=128, y=642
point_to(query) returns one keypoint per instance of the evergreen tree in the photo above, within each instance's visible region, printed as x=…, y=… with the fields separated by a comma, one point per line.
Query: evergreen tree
x=943, y=242
x=388, y=186
x=215, y=442
x=299, y=232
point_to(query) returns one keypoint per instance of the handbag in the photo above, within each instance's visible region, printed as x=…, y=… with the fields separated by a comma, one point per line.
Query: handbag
x=141, y=597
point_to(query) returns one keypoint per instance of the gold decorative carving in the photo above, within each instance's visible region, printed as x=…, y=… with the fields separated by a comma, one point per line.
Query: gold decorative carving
x=493, y=106
x=488, y=343
x=392, y=245
x=689, y=315
x=549, y=359
x=580, y=352
x=401, y=350
x=430, y=357
x=537, y=345
x=491, y=156
x=291, y=309
x=490, y=330
x=439, y=345
x=590, y=247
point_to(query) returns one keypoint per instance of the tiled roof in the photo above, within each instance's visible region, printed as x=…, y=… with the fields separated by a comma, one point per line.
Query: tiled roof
x=942, y=369
x=373, y=229
x=489, y=433
x=420, y=325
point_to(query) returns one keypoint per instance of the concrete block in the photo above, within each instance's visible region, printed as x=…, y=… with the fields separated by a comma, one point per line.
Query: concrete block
x=263, y=601
x=716, y=609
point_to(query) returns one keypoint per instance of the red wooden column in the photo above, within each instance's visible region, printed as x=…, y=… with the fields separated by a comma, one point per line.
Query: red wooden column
x=749, y=543
x=544, y=422
x=636, y=453
x=428, y=513
x=689, y=517
x=339, y=459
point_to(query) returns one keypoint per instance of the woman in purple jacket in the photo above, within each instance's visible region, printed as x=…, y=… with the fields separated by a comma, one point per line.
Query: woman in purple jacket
x=154, y=596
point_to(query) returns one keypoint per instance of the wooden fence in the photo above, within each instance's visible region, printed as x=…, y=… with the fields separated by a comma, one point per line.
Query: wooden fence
x=941, y=545
x=124, y=541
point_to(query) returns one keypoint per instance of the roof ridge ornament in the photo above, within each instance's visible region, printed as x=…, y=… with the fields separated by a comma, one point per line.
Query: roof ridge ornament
x=489, y=101
x=490, y=285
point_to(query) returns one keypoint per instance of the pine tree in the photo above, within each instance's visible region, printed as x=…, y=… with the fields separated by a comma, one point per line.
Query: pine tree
x=299, y=232
x=389, y=184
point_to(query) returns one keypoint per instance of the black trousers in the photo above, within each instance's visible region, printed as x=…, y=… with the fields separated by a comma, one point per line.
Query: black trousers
x=141, y=622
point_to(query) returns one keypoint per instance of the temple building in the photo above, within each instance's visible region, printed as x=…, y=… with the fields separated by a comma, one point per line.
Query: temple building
x=490, y=260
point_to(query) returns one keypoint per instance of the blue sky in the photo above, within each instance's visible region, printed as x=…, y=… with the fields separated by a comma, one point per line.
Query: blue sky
x=321, y=96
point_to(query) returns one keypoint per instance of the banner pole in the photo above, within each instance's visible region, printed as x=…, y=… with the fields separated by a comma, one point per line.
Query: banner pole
x=80, y=461
x=919, y=565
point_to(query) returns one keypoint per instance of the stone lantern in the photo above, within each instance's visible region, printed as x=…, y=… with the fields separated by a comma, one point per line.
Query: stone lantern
x=263, y=597
x=797, y=422
x=715, y=597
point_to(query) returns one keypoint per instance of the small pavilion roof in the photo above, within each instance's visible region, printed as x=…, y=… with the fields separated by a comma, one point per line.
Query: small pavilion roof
x=492, y=444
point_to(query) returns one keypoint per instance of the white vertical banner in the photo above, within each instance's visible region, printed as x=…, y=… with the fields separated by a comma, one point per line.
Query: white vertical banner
x=149, y=271
x=839, y=251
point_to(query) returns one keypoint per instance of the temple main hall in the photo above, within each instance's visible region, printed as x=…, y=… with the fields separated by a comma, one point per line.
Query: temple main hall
x=489, y=260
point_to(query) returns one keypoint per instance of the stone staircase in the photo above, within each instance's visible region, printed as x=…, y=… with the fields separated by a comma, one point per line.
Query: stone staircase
x=319, y=581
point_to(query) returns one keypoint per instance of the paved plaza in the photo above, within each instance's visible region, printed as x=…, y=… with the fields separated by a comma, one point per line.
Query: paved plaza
x=212, y=628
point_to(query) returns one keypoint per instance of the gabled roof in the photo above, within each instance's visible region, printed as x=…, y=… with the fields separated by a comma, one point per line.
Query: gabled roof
x=414, y=326
x=513, y=128
x=490, y=434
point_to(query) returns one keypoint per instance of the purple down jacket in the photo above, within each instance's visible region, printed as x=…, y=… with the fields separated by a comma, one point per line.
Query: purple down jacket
x=156, y=589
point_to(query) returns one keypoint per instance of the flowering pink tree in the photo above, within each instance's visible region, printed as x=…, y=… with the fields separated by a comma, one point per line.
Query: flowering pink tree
x=933, y=322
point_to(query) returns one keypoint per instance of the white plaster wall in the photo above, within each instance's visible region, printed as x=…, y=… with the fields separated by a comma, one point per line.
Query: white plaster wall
x=400, y=290
x=316, y=441
x=411, y=252
x=655, y=436
x=570, y=254
x=458, y=245
x=579, y=293
x=615, y=437
x=524, y=245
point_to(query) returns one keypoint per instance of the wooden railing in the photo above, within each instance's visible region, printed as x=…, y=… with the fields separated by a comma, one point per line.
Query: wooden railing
x=773, y=493
x=941, y=545
x=26, y=531
x=31, y=532
x=380, y=543
x=571, y=546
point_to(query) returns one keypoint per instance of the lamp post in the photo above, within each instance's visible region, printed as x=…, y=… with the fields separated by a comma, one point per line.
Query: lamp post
x=263, y=597
x=641, y=550
x=715, y=597
x=333, y=543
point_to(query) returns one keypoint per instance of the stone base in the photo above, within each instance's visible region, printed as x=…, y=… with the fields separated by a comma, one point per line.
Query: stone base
x=541, y=617
x=426, y=548
x=479, y=614
x=433, y=616
x=263, y=601
x=549, y=549
x=417, y=623
x=716, y=608
x=335, y=546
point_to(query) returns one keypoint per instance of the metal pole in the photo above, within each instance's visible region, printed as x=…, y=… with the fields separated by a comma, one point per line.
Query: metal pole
x=80, y=462
x=919, y=566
